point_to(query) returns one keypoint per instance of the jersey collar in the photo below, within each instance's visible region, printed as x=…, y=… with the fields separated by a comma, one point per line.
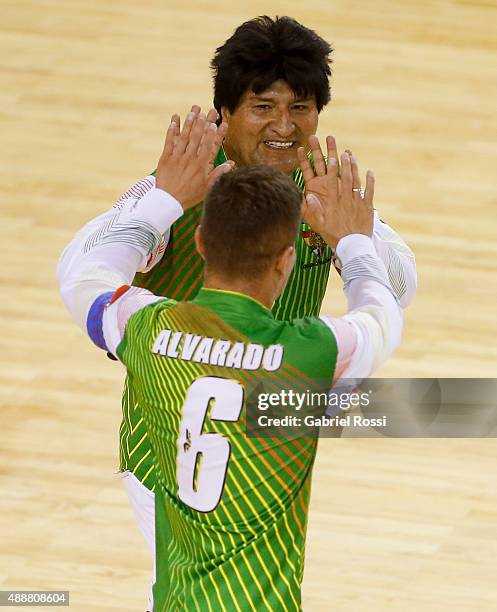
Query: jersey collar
x=220, y=300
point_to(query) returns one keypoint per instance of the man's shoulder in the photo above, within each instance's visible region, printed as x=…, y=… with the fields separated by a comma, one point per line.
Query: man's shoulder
x=305, y=329
x=309, y=346
x=151, y=311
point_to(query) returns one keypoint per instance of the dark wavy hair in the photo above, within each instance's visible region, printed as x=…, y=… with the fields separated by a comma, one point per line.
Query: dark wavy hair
x=264, y=50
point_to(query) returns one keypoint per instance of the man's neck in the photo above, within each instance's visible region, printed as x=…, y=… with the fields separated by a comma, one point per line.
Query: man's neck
x=256, y=290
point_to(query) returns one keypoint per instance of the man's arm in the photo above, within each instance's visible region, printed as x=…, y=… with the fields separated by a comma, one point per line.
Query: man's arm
x=398, y=258
x=96, y=299
x=93, y=233
x=343, y=214
x=396, y=255
x=97, y=294
x=371, y=330
x=128, y=199
x=102, y=229
x=109, y=251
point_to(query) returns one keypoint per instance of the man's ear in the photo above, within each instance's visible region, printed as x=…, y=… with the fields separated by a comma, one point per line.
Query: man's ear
x=199, y=242
x=285, y=261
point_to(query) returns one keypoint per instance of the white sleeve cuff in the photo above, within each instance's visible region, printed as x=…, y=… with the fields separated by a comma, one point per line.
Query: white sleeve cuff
x=354, y=245
x=159, y=208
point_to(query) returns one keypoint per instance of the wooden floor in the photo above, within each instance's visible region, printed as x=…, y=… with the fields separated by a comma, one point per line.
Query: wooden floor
x=87, y=88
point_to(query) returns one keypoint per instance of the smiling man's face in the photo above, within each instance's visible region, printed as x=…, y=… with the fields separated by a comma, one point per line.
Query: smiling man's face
x=269, y=127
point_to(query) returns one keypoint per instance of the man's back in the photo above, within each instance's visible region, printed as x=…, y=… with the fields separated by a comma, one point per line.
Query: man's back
x=179, y=275
x=232, y=508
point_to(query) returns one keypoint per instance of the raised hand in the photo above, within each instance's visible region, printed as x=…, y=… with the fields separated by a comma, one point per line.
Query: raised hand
x=212, y=117
x=334, y=206
x=315, y=178
x=186, y=166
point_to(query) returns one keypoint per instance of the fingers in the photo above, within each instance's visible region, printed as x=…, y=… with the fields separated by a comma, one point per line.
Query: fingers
x=169, y=143
x=204, y=149
x=185, y=133
x=332, y=180
x=176, y=119
x=313, y=212
x=349, y=152
x=317, y=156
x=305, y=165
x=331, y=146
x=196, y=133
x=217, y=141
x=369, y=191
x=356, y=179
x=346, y=174
x=212, y=115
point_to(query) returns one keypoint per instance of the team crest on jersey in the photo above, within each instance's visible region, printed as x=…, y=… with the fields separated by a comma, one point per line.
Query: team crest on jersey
x=314, y=241
x=318, y=248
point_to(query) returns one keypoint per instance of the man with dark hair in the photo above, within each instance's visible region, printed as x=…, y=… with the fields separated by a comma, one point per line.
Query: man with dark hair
x=264, y=50
x=231, y=510
x=271, y=80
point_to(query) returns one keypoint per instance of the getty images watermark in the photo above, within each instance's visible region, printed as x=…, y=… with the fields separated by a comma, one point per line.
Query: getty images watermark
x=389, y=407
x=308, y=409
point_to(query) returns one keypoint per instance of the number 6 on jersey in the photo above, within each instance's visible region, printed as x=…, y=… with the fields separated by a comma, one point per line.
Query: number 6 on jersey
x=203, y=457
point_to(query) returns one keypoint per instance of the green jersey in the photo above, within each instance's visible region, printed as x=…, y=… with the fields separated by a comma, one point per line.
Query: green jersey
x=179, y=275
x=231, y=509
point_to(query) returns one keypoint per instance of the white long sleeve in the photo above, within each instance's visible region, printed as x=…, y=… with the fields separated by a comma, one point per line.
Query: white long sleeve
x=111, y=248
x=371, y=330
x=398, y=258
x=108, y=251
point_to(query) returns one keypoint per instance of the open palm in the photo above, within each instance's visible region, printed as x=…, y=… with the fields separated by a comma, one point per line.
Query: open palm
x=315, y=178
x=334, y=204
